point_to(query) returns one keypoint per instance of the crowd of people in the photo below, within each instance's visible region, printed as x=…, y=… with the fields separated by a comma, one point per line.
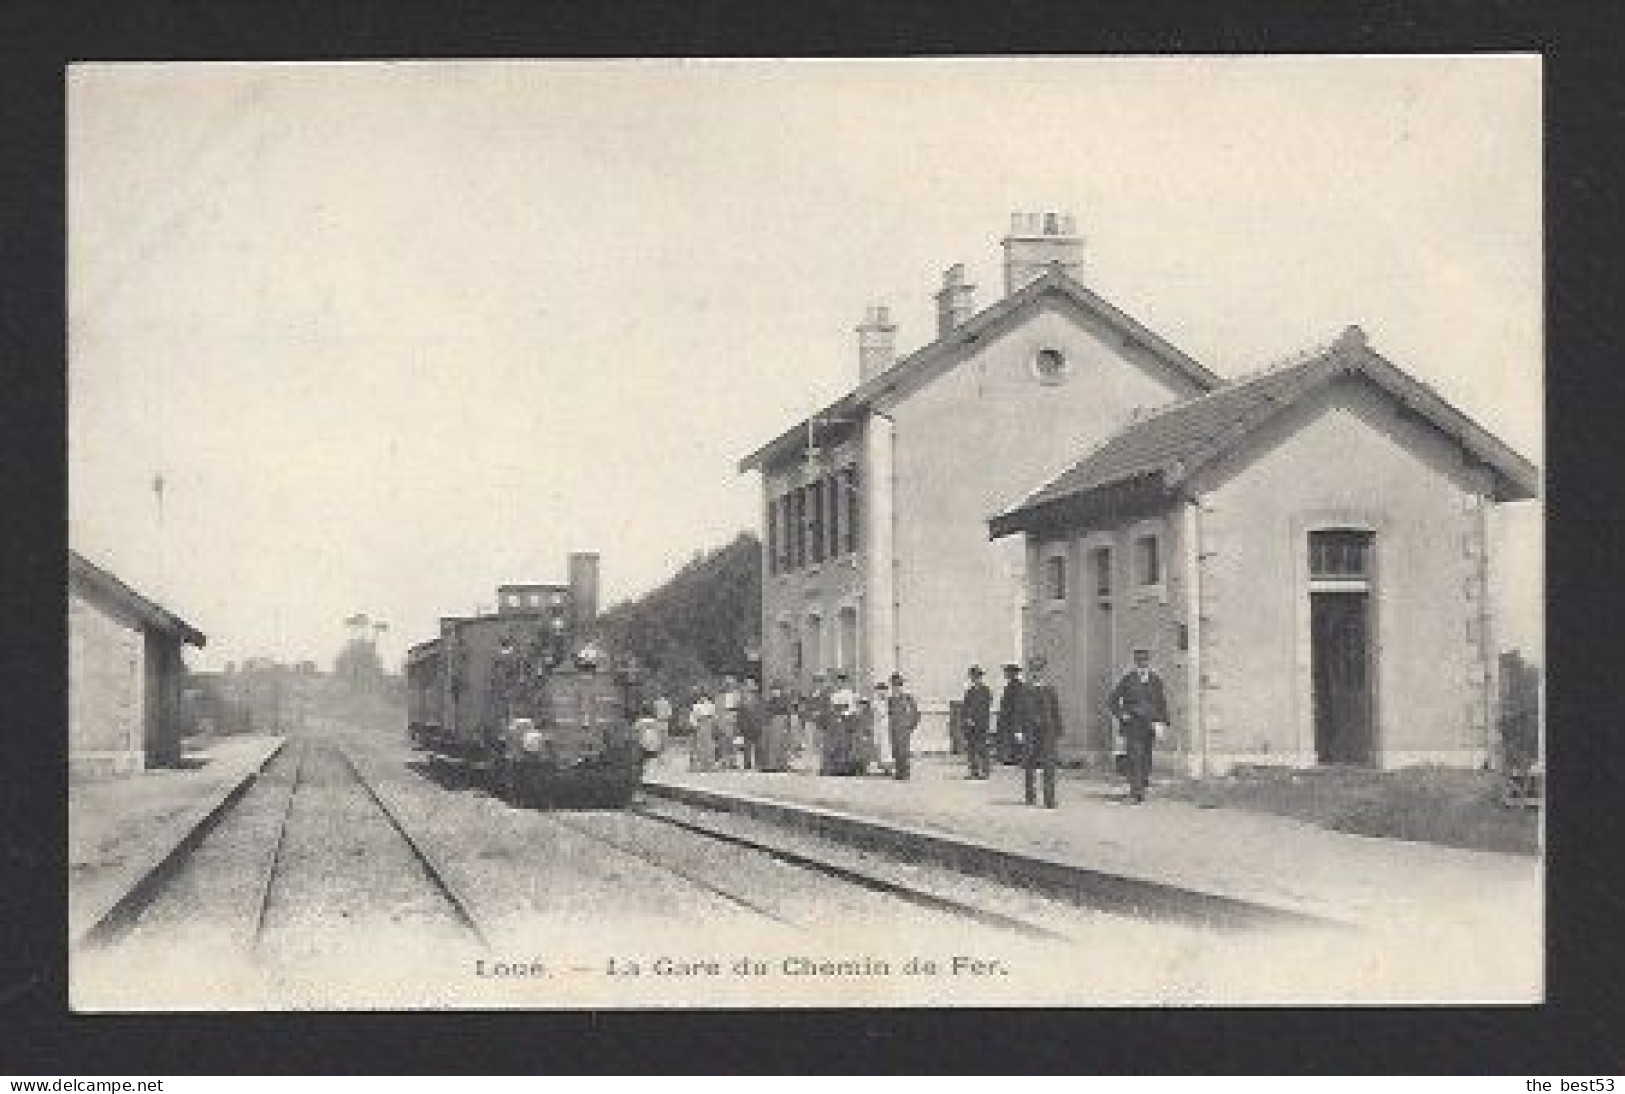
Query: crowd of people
x=838, y=727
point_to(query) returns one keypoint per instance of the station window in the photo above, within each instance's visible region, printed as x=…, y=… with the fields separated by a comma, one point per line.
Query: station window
x=1055, y=577
x=1147, y=560
x=786, y=533
x=798, y=509
x=832, y=505
x=773, y=535
x=1050, y=366
x=1340, y=553
x=850, y=481
x=815, y=522
x=1103, y=571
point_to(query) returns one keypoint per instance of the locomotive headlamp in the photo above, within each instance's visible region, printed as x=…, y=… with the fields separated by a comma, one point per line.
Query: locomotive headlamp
x=531, y=739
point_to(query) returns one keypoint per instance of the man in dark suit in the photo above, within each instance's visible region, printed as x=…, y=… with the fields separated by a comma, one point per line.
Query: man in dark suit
x=902, y=716
x=1008, y=744
x=1140, y=706
x=973, y=716
x=1040, y=731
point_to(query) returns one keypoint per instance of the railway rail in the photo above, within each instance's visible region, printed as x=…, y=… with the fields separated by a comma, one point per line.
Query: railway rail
x=759, y=869
x=275, y=794
x=813, y=863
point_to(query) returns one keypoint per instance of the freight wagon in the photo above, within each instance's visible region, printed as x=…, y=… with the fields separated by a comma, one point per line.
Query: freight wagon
x=527, y=696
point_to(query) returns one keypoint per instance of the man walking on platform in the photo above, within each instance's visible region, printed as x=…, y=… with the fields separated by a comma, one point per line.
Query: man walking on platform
x=973, y=719
x=902, y=715
x=1008, y=745
x=1041, y=731
x=1140, y=706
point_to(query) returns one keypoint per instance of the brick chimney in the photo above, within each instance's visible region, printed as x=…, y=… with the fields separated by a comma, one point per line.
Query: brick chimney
x=877, y=342
x=584, y=588
x=1038, y=241
x=956, y=300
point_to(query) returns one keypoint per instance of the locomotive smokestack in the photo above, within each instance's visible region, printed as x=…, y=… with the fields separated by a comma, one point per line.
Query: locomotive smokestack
x=584, y=587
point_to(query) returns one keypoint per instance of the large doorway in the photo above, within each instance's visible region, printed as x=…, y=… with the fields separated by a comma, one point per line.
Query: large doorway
x=1340, y=647
x=812, y=650
x=1098, y=667
x=846, y=657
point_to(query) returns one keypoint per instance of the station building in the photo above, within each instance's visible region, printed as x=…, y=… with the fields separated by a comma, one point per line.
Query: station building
x=1304, y=551
x=124, y=675
x=876, y=553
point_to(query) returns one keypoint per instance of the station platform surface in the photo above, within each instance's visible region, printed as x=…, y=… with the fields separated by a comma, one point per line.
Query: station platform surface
x=1251, y=856
x=119, y=826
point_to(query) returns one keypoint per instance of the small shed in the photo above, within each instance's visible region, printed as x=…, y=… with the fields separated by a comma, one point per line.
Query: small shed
x=1304, y=552
x=124, y=673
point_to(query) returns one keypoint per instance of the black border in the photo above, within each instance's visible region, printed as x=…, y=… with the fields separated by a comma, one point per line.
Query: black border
x=1577, y=1033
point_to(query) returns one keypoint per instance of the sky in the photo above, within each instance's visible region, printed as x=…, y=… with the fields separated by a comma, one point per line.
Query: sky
x=395, y=332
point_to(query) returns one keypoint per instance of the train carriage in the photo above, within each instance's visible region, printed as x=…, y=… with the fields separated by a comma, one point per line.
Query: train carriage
x=526, y=695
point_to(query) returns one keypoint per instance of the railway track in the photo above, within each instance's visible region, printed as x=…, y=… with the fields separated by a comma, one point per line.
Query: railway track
x=802, y=859
x=461, y=907
x=289, y=845
x=261, y=828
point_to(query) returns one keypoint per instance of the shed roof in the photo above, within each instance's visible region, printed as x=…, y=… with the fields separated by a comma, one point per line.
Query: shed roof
x=936, y=355
x=84, y=574
x=1169, y=447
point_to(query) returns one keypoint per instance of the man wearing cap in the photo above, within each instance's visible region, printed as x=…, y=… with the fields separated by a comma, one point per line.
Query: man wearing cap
x=1009, y=719
x=1041, y=731
x=973, y=714
x=902, y=715
x=1140, y=706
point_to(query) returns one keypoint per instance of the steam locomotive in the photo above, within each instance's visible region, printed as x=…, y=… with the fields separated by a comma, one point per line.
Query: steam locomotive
x=527, y=696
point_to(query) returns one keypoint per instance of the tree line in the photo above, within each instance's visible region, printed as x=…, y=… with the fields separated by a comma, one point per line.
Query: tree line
x=703, y=623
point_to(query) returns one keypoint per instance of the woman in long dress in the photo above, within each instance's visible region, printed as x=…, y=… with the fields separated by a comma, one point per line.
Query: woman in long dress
x=702, y=717
x=841, y=740
x=880, y=731
x=727, y=725
x=774, y=752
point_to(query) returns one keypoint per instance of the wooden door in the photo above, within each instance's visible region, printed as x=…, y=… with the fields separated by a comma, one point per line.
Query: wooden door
x=1341, y=658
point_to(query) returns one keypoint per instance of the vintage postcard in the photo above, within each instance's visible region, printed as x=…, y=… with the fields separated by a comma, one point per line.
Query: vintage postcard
x=715, y=533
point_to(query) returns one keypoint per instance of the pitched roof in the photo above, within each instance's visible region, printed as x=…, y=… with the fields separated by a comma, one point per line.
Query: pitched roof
x=87, y=575
x=935, y=356
x=1169, y=447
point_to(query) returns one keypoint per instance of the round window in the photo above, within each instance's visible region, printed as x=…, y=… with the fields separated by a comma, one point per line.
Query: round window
x=1050, y=366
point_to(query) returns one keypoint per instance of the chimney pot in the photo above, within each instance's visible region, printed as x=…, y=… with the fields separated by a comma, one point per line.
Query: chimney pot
x=877, y=342
x=1039, y=242
x=956, y=300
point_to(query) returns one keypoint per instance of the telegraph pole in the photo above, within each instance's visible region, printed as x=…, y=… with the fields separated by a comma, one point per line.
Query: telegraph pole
x=162, y=573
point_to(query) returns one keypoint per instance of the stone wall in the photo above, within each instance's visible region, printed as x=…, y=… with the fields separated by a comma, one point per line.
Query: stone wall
x=107, y=690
